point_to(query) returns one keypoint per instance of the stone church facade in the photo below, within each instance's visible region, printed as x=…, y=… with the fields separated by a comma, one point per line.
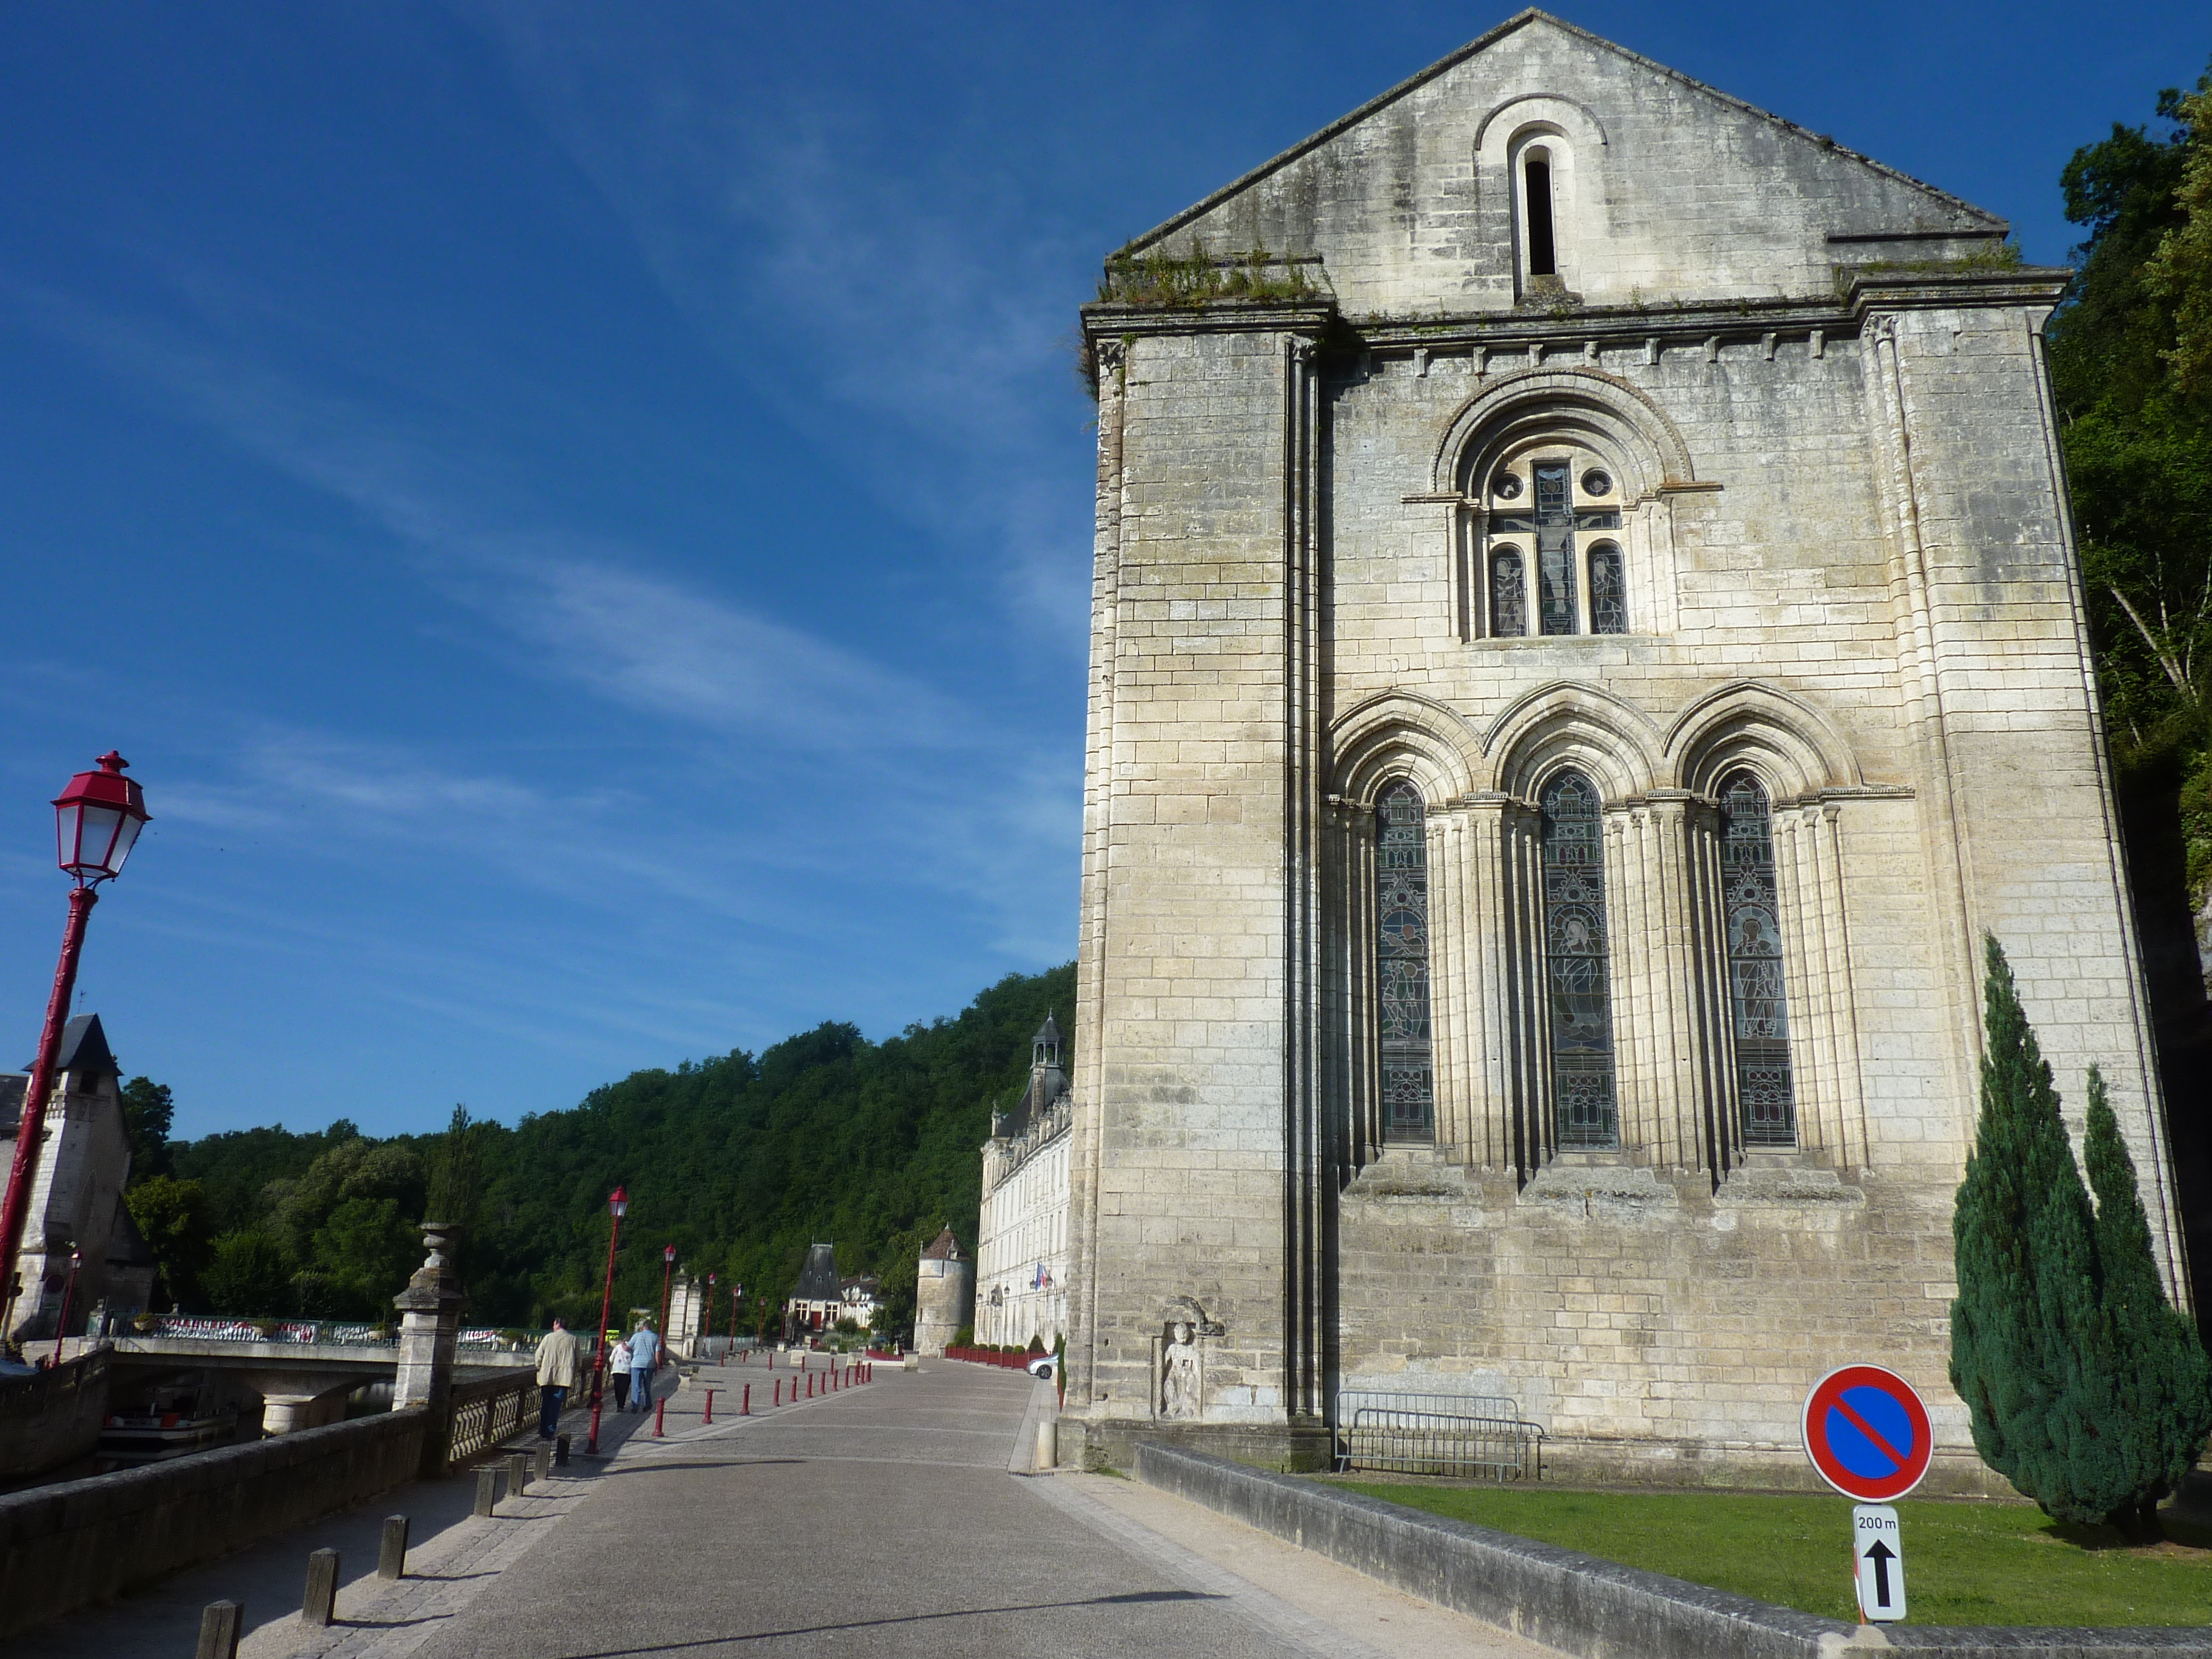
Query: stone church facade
x=1587, y=638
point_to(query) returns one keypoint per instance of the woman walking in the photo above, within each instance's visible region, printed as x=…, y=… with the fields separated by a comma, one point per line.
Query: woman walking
x=618, y=1362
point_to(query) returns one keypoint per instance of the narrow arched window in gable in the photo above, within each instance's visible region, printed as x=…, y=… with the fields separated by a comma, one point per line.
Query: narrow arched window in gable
x=1575, y=964
x=1608, y=599
x=1536, y=192
x=1402, y=963
x=1758, y=999
x=1509, y=594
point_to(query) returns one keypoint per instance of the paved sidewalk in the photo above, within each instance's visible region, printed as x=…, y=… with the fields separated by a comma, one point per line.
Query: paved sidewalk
x=890, y=1518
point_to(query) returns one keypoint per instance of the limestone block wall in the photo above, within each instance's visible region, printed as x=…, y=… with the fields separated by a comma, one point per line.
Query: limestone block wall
x=1847, y=576
x=1180, y=1174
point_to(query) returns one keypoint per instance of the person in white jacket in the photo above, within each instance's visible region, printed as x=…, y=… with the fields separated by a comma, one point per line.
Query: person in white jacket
x=618, y=1363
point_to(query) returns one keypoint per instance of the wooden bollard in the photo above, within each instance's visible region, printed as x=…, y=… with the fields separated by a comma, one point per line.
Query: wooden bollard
x=545, y=1469
x=219, y=1627
x=487, y=1489
x=777, y=1394
x=392, y=1551
x=708, y=1415
x=518, y=1473
x=745, y=1405
x=561, y=1451
x=320, y=1604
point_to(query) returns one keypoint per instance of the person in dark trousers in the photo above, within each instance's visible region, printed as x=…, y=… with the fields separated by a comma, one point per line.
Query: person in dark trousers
x=618, y=1365
x=556, y=1375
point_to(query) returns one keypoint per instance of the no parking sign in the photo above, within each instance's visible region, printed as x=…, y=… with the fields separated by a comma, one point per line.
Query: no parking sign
x=1867, y=1433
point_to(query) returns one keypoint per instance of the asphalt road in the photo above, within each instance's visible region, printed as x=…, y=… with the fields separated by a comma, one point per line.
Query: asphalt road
x=879, y=1520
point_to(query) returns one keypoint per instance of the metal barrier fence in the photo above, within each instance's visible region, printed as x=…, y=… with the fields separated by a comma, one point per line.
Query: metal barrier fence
x=323, y=1332
x=1479, y=1436
x=487, y=1411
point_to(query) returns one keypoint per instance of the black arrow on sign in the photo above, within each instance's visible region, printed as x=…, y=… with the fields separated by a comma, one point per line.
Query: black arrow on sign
x=1882, y=1555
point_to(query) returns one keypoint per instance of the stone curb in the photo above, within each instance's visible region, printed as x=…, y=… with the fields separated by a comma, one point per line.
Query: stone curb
x=1576, y=1603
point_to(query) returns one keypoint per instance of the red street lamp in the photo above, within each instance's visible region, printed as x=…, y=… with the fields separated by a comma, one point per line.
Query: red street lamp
x=667, y=1275
x=96, y=822
x=617, y=1203
x=69, y=1295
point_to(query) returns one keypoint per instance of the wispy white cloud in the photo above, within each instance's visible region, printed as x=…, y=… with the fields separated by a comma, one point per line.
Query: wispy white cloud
x=921, y=302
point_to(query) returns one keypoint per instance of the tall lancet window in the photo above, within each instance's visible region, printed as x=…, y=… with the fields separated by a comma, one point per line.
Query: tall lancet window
x=1401, y=962
x=1757, y=1000
x=1575, y=964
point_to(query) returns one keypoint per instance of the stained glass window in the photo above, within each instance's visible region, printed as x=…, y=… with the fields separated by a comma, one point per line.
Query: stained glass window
x=1402, y=960
x=1509, y=598
x=1575, y=950
x=1609, y=602
x=1555, y=548
x=1559, y=521
x=1757, y=998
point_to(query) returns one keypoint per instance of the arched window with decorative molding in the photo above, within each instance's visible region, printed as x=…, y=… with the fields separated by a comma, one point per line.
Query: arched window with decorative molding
x=1401, y=963
x=1758, y=997
x=1577, y=969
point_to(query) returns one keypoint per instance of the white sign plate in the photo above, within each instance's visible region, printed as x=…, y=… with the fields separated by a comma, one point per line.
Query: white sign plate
x=1878, y=1554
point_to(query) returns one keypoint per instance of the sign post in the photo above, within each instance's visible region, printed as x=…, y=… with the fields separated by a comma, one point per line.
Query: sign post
x=1867, y=1434
x=1878, y=1554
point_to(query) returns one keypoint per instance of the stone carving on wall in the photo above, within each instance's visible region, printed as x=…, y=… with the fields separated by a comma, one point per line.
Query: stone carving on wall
x=1182, y=1364
x=1179, y=1394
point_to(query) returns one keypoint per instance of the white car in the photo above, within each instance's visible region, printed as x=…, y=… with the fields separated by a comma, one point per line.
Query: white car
x=1045, y=1365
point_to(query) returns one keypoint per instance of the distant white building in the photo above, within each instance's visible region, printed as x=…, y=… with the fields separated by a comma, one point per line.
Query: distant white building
x=1021, y=1248
x=76, y=1198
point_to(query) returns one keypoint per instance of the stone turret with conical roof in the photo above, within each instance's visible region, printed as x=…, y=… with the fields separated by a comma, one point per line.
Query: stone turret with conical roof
x=943, y=1293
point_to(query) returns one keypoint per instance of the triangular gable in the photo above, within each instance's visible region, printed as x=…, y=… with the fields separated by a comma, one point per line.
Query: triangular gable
x=1685, y=191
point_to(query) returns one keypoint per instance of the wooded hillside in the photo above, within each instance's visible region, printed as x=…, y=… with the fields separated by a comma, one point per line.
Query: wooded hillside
x=740, y=1162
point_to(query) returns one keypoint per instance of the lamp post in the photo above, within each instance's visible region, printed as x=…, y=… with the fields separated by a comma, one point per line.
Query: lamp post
x=617, y=1202
x=737, y=1293
x=69, y=1295
x=96, y=822
x=667, y=1275
x=709, y=1304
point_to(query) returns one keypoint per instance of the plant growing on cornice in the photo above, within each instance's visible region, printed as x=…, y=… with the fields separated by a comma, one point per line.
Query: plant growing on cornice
x=1197, y=279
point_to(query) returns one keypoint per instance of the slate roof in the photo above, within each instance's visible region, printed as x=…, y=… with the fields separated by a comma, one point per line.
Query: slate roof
x=818, y=1280
x=944, y=1248
x=84, y=1049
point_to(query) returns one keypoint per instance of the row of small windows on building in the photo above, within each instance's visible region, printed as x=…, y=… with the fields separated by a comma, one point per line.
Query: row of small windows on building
x=1577, y=950
x=1563, y=525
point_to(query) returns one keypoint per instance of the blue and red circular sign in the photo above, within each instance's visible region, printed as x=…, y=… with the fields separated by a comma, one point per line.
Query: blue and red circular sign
x=1867, y=1433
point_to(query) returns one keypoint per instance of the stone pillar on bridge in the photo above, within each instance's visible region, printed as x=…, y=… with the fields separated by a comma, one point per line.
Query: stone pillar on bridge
x=429, y=1326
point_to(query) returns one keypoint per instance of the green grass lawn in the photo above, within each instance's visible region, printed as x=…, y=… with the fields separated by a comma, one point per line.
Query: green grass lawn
x=1965, y=1564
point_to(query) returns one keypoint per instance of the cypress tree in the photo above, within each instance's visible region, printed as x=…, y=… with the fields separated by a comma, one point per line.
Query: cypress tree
x=2165, y=1378
x=2031, y=1350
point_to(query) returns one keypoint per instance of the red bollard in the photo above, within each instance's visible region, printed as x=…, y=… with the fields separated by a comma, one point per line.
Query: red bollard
x=809, y=1385
x=745, y=1405
x=659, y=1415
x=778, y=1400
x=711, y=1393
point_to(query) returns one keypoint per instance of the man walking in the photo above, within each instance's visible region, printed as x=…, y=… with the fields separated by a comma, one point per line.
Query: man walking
x=644, y=1358
x=556, y=1375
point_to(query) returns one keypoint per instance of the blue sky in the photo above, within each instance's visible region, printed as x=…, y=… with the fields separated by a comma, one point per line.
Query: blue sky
x=578, y=514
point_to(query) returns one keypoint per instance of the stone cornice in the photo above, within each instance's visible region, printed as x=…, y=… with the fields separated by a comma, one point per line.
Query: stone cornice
x=1104, y=320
